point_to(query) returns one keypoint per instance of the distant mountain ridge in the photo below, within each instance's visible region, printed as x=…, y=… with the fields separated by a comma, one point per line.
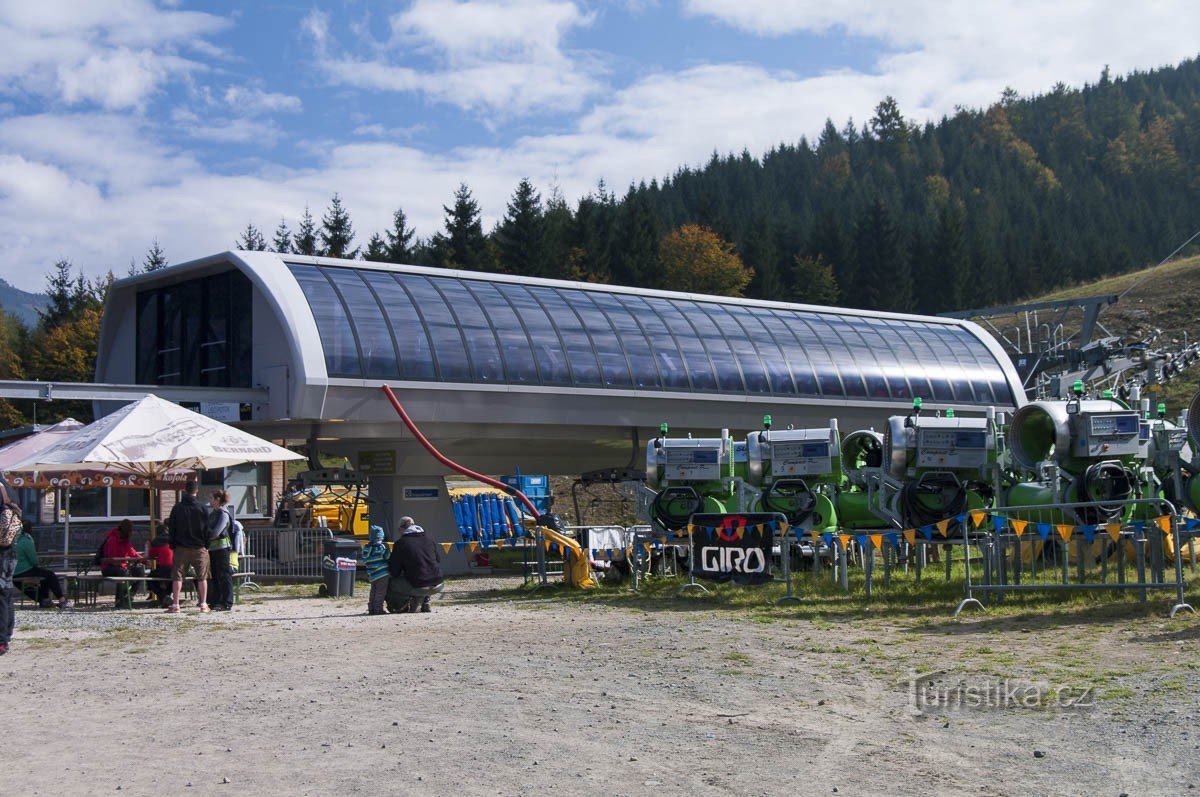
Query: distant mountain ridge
x=21, y=304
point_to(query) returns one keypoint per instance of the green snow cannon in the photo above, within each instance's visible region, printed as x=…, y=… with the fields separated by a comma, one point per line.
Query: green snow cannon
x=689, y=476
x=798, y=472
x=944, y=464
x=1098, y=446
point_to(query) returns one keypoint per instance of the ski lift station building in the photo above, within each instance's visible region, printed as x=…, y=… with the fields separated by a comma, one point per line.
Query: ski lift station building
x=504, y=371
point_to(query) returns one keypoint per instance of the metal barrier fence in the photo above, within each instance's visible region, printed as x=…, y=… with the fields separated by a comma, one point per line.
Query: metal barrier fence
x=286, y=554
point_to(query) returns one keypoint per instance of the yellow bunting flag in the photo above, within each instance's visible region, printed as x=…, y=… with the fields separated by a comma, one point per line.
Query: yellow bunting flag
x=845, y=538
x=1114, y=531
x=646, y=546
x=911, y=536
x=472, y=547
x=546, y=544
x=662, y=540
x=446, y=546
x=943, y=527
x=1018, y=526
x=877, y=541
x=978, y=516
x=689, y=529
x=1164, y=523
x=1065, y=531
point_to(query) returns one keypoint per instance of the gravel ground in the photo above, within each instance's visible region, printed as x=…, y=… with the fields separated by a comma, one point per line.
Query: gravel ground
x=499, y=692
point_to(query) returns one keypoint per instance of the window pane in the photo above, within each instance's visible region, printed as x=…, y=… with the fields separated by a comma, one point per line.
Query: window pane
x=633, y=341
x=374, y=338
x=520, y=368
x=613, y=365
x=412, y=342
x=715, y=337
x=147, y=337
x=828, y=381
x=448, y=347
x=214, y=346
x=667, y=356
x=484, y=352
x=90, y=502
x=337, y=339
x=745, y=348
x=585, y=367
x=862, y=356
x=548, y=350
x=774, y=360
x=696, y=359
x=125, y=502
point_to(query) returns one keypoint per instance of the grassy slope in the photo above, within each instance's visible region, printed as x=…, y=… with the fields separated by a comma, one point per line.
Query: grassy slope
x=1166, y=298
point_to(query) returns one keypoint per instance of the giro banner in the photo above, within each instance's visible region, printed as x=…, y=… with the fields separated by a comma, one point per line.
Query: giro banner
x=734, y=548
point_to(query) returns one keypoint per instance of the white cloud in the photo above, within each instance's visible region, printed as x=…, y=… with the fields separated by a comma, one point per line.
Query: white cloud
x=252, y=101
x=937, y=55
x=504, y=57
x=111, y=53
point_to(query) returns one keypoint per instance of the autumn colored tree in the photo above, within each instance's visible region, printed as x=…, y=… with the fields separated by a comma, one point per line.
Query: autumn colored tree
x=697, y=260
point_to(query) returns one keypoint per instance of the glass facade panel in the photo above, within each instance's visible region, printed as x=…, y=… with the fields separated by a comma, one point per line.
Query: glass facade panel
x=721, y=349
x=549, y=353
x=520, y=368
x=333, y=325
x=379, y=324
x=487, y=363
x=671, y=365
x=687, y=338
x=449, y=350
x=374, y=334
x=809, y=343
x=585, y=367
x=197, y=332
x=633, y=340
x=774, y=358
x=613, y=365
x=415, y=358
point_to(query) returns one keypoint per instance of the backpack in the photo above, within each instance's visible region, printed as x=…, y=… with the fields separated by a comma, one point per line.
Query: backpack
x=10, y=520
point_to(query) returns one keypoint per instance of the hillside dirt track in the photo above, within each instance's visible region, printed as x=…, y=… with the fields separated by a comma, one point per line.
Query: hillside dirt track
x=502, y=692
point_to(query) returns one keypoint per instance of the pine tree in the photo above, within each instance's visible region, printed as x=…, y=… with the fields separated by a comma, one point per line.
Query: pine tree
x=813, y=282
x=884, y=278
x=400, y=247
x=462, y=244
x=520, y=235
x=951, y=261
x=155, y=258
x=337, y=233
x=252, y=240
x=69, y=296
x=377, y=249
x=305, y=240
x=638, y=264
x=556, y=239
x=282, y=242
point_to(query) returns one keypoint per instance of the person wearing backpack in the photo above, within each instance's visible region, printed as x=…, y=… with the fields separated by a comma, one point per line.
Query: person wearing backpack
x=10, y=528
x=189, y=540
x=220, y=547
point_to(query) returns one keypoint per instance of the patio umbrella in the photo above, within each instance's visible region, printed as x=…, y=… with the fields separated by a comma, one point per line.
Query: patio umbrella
x=150, y=438
x=27, y=447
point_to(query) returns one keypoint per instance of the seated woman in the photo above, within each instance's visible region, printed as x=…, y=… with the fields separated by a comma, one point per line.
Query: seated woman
x=28, y=567
x=120, y=558
x=163, y=557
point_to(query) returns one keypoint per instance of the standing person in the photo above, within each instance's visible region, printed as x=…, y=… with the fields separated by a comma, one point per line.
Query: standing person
x=189, y=540
x=27, y=567
x=163, y=558
x=118, y=558
x=415, y=569
x=8, y=562
x=375, y=559
x=220, y=546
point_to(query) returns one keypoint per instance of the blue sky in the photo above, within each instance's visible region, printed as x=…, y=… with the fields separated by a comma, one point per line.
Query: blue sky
x=126, y=121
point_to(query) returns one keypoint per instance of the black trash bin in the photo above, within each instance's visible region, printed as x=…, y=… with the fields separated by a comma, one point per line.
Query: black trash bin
x=339, y=566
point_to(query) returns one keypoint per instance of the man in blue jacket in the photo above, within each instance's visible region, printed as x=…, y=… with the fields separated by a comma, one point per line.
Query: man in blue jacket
x=415, y=568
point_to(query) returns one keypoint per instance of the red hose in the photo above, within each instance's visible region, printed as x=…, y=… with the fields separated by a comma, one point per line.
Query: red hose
x=442, y=458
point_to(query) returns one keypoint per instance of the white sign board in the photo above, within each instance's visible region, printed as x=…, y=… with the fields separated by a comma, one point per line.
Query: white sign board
x=223, y=411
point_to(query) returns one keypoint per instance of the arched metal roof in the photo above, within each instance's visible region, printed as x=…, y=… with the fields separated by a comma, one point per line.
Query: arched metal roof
x=379, y=322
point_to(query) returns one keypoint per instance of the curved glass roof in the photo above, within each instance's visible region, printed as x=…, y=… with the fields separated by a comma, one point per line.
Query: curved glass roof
x=377, y=324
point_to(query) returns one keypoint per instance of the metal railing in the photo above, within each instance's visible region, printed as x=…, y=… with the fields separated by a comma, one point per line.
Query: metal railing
x=286, y=554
